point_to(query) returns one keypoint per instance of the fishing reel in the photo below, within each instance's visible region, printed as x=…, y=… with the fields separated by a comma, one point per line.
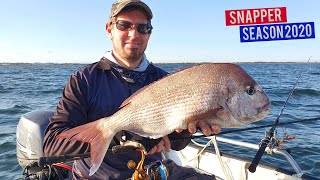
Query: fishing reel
x=269, y=141
x=55, y=171
x=272, y=142
x=153, y=171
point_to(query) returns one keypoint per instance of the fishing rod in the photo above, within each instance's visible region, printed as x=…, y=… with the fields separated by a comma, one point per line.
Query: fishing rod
x=42, y=161
x=269, y=134
x=48, y=160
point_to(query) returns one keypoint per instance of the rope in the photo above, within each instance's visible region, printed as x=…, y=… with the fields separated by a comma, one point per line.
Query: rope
x=213, y=140
x=226, y=172
x=201, y=151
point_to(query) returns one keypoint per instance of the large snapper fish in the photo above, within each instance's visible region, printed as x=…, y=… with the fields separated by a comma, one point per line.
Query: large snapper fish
x=220, y=94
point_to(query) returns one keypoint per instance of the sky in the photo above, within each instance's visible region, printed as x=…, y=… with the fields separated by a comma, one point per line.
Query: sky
x=73, y=31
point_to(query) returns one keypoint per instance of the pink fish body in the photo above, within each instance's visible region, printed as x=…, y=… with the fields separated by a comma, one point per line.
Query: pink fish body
x=220, y=94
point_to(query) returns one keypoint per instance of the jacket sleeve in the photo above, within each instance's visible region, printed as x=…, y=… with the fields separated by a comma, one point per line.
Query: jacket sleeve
x=70, y=112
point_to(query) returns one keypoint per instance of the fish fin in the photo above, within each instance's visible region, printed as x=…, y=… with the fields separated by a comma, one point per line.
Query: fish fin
x=98, y=148
x=98, y=139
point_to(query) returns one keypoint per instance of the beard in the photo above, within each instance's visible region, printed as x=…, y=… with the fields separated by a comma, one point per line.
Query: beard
x=131, y=55
x=127, y=52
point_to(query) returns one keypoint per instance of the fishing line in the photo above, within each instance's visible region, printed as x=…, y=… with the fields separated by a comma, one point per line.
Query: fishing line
x=256, y=127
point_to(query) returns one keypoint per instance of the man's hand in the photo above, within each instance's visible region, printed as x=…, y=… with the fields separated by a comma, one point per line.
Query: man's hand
x=204, y=127
x=192, y=128
x=164, y=143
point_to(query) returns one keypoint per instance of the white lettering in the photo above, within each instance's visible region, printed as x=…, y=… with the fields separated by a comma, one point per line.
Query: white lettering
x=308, y=30
x=248, y=17
x=294, y=31
x=244, y=30
x=272, y=31
x=263, y=14
x=256, y=14
x=279, y=31
x=251, y=30
x=240, y=15
x=301, y=35
x=234, y=20
x=270, y=17
x=259, y=34
x=287, y=27
x=277, y=14
x=265, y=32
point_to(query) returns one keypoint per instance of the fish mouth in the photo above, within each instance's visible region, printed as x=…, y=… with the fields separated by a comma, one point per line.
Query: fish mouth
x=262, y=112
x=265, y=108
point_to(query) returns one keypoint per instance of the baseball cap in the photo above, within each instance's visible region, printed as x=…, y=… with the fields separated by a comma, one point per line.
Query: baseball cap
x=118, y=6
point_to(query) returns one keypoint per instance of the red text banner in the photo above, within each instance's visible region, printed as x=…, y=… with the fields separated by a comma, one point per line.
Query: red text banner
x=256, y=16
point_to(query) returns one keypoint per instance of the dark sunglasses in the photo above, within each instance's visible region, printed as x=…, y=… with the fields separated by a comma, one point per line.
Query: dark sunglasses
x=123, y=25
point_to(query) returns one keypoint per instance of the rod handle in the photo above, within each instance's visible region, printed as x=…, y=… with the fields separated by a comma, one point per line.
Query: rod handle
x=257, y=158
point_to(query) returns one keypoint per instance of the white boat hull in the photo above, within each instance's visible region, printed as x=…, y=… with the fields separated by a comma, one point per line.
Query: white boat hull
x=235, y=167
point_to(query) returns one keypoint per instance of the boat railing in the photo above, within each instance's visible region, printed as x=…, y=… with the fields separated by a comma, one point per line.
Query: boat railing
x=278, y=151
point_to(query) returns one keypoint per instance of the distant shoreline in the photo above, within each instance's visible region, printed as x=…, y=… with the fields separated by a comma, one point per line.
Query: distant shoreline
x=70, y=64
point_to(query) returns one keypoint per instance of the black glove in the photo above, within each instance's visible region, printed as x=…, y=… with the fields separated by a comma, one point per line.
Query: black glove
x=179, y=140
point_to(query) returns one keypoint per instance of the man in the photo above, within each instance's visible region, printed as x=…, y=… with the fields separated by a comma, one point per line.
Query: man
x=97, y=91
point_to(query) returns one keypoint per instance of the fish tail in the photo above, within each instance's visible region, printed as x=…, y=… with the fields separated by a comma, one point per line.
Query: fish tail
x=98, y=138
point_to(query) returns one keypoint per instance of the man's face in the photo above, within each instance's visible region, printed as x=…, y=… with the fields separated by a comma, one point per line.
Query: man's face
x=129, y=45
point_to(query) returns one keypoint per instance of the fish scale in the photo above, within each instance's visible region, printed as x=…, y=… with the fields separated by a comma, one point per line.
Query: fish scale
x=182, y=108
x=214, y=93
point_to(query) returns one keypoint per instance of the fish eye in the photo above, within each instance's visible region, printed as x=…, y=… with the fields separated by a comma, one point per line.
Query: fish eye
x=250, y=90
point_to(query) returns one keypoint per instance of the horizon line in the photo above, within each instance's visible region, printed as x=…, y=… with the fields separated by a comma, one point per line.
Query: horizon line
x=247, y=62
